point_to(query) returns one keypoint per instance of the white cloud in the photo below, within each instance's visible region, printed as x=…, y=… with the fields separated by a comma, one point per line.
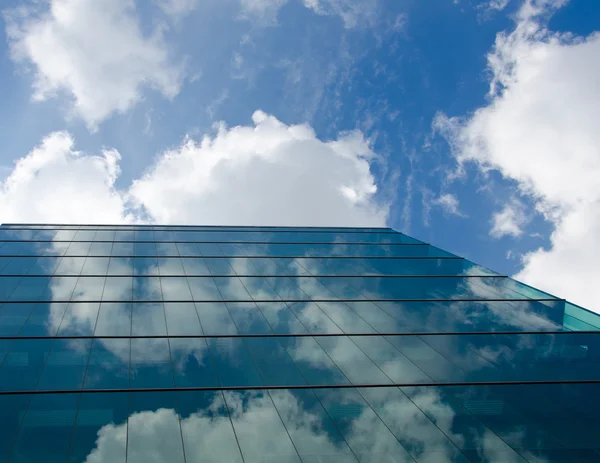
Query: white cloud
x=266, y=173
x=449, y=203
x=269, y=173
x=509, y=221
x=540, y=130
x=95, y=52
x=56, y=183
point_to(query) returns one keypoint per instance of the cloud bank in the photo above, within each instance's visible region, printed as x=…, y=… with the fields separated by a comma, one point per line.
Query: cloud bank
x=267, y=173
x=540, y=130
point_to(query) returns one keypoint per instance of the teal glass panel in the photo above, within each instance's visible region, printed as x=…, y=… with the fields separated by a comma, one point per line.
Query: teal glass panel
x=154, y=429
x=46, y=429
x=100, y=428
x=23, y=364
x=66, y=364
x=108, y=365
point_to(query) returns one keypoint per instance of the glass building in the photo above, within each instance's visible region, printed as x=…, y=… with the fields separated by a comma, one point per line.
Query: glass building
x=266, y=344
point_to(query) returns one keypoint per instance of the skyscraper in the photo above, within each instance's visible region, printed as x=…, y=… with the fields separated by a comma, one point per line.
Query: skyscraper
x=274, y=344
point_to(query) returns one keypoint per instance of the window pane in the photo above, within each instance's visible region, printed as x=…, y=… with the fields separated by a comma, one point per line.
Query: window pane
x=46, y=429
x=108, y=367
x=100, y=428
x=154, y=432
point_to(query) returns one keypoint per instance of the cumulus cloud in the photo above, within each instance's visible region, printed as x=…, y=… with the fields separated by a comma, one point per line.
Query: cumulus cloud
x=95, y=52
x=263, y=174
x=268, y=173
x=509, y=221
x=54, y=182
x=540, y=130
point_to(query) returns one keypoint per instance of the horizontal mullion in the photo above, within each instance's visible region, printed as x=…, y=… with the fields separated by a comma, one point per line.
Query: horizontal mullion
x=210, y=228
x=154, y=301
x=237, y=256
x=220, y=242
x=329, y=275
x=303, y=386
x=303, y=335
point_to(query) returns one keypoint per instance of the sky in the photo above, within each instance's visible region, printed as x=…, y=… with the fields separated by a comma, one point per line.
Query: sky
x=471, y=125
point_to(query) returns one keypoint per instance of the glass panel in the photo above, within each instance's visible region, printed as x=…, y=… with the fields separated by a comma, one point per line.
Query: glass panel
x=23, y=364
x=280, y=318
x=203, y=289
x=13, y=317
x=12, y=411
x=195, y=266
x=148, y=319
x=120, y=266
x=249, y=423
x=17, y=265
x=95, y=266
x=170, y=266
x=100, y=428
x=100, y=249
x=192, y=365
x=175, y=289
x=108, y=367
x=206, y=427
x=44, y=320
x=248, y=319
x=273, y=362
x=353, y=362
x=147, y=289
x=66, y=365
x=150, y=363
x=46, y=429
x=182, y=319
x=215, y=318
x=145, y=266
x=233, y=364
x=118, y=289
x=88, y=289
x=114, y=319
x=153, y=429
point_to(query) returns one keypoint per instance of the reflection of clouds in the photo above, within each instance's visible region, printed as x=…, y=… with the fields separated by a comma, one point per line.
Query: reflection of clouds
x=333, y=425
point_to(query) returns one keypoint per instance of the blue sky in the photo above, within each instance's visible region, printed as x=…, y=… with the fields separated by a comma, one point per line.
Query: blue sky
x=467, y=124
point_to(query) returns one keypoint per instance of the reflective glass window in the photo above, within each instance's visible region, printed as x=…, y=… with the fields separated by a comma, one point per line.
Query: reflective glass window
x=100, y=414
x=215, y=318
x=150, y=364
x=108, y=366
x=65, y=365
x=23, y=364
x=275, y=445
x=233, y=364
x=13, y=317
x=44, y=320
x=182, y=319
x=148, y=319
x=152, y=415
x=114, y=319
x=247, y=318
x=195, y=266
x=45, y=432
x=95, y=266
x=206, y=427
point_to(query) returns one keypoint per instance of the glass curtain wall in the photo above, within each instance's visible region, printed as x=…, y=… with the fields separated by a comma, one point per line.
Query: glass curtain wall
x=282, y=344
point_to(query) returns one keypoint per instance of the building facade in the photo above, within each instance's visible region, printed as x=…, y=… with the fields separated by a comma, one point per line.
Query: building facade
x=247, y=344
